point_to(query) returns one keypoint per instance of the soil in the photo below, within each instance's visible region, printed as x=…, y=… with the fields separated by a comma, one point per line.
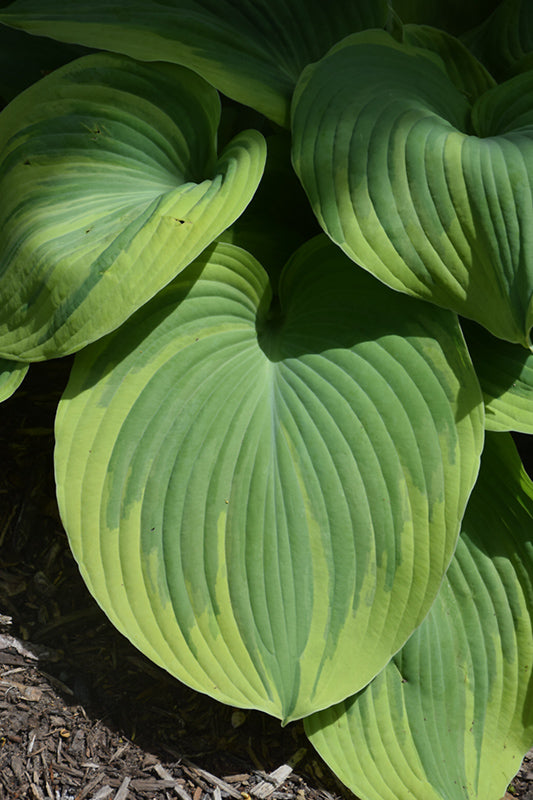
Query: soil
x=83, y=715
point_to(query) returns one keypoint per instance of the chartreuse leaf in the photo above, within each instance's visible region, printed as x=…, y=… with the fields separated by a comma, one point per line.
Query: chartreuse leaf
x=252, y=50
x=12, y=373
x=265, y=500
x=505, y=373
x=109, y=186
x=430, y=194
x=450, y=717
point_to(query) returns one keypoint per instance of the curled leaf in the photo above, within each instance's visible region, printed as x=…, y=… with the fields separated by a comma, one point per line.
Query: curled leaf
x=429, y=193
x=110, y=185
x=12, y=373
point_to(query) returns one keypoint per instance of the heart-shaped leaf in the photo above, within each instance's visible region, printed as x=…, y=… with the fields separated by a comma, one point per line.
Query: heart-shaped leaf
x=260, y=497
x=252, y=50
x=505, y=373
x=109, y=186
x=450, y=717
x=12, y=373
x=429, y=194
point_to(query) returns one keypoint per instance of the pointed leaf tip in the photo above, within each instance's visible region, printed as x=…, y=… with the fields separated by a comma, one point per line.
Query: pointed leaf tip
x=253, y=498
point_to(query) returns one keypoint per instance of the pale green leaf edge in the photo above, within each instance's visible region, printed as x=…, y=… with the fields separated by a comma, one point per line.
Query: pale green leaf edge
x=78, y=415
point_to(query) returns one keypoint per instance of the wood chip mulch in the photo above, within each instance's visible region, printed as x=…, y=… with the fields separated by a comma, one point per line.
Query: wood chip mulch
x=51, y=747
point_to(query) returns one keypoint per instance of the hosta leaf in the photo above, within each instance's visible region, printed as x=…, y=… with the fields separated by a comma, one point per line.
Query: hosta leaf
x=505, y=41
x=466, y=72
x=505, y=372
x=450, y=717
x=252, y=50
x=430, y=194
x=110, y=185
x=12, y=373
x=255, y=496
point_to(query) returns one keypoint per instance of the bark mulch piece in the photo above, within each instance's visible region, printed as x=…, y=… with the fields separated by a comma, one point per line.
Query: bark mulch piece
x=83, y=715
x=123, y=745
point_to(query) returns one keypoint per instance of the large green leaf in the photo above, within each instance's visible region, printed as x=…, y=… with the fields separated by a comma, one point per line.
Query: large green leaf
x=259, y=497
x=451, y=717
x=505, y=373
x=109, y=186
x=252, y=50
x=429, y=193
x=12, y=373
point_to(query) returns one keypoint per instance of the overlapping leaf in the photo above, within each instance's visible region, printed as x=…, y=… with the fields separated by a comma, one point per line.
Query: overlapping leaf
x=255, y=495
x=279, y=219
x=466, y=72
x=429, y=193
x=505, y=41
x=450, y=717
x=109, y=186
x=505, y=372
x=12, y=373
x=252, y=50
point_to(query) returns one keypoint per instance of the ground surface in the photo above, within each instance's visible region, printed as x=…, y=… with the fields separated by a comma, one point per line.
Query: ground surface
x=84, y=716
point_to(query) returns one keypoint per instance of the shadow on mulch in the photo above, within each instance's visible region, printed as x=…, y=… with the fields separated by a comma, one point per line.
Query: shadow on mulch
x=82, y=713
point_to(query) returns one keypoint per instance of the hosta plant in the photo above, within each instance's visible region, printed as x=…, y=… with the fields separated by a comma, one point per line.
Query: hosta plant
x=290, y=247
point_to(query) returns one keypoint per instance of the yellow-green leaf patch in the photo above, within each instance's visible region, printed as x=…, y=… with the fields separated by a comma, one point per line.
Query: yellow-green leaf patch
x=251, y=50
x=258, y=494
x=450, y=717
x=110, y=184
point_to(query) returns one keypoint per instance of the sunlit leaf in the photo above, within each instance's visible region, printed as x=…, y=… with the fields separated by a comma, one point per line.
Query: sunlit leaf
x=256, y=494
x=450, y=718
x=110, y=184
x=252, y=50
x=426, y=191
x=12, y=373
